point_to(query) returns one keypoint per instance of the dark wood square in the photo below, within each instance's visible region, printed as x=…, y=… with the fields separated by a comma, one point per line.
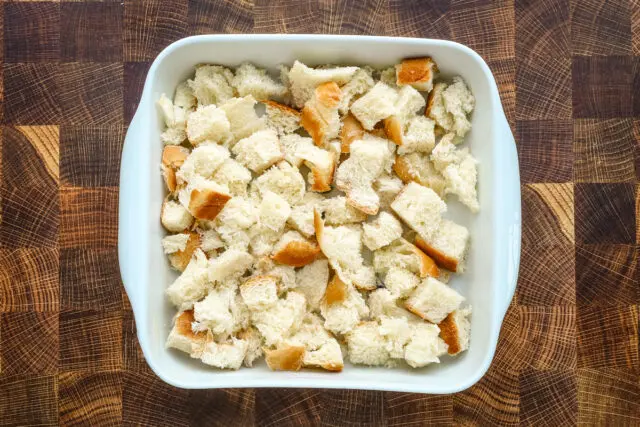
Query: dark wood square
x=32, y=32
x=147, y=400
x=547, y=209
x=25, y=82
x=293, y=17
x=29, y=343
x=29, y=400
x=222, y=407
x=608, y=336
x=132, y=356
x=134, y=76
x=300, y=407
x=548, y=337
x=601, y=28
x=545, y=150
x=88, y=218
x=602, y=86
x=548, y=398
x=90, y=279
x=151, y=25
x=30, y=156
x=29, y=280
x=607, y=274
x=91, y=32
x=433, y=22
x=544, y=60
x=367, y=407
x=547, y=275
x=90, y=398
x=604, y=150
x=406, y=408
x=90, y=340
x=495, y=23
x=608, y=397
x=605, y=213
x=91, y=93
x=30, y=217
x=90, y=155
x=224, y=16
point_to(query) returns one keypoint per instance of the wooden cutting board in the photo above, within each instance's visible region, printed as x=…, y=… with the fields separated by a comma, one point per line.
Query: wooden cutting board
x=569, y=77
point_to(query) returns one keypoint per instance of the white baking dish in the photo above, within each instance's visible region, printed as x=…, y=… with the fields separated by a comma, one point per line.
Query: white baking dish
x=493, y=261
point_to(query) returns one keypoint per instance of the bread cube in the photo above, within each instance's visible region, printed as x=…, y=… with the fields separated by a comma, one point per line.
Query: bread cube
x=448, y=246
x=192, y=285
x=455, y=330
x=259, y=292
x=225, y=355
x=209, y=124
x=282, y=118
x=425, y=346
x=259, y=151
x=375, y=105
x=211, y=84
x=416, y=72
x=367, y=346
x=294, y=250
x=417, y=167
x=311, y=281
x=253, y=81
x=381, y=231
x=320, y=117
x=303, y=80
x=420, y=208
x=243, y=120
x=433, y=300
x=174, y=217
x=182, y=337
x=284, y=180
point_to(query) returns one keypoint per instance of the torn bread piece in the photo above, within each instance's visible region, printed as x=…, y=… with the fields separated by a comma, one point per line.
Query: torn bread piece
x=234, y=221
x=204, y=161
x=173, y=136
x=209, y=240
x=175, y=117
x=208, y=124
x=397, y=333
x=419, y=136
x=355, y=175
x=293, y=144
x=336, y=291
x=320, y=117
x=282, y=118
x=388, y=76
x=322, y=164
x=301, y=217
x=180, y=259
x=417, y=167
x=212, y=84
x=183, y=338
x=294, y=250
x=351, y=131
x=367, y=346
x=213, y=312
x=449, y=106
x=359, y=84
x=311, y=281
x=338, y=212
x=175, y=217
x=417, y=72
x=447, y=246
x=433, y=300
x=243, y=120
x=381, y=231
x=175, y=242
x=340, y=317
x=192, y=285
x=250, y=80
x=377, y=104
x=459, y=169
x=280, y=321
x=231, y=264
x=322, y=350
x=408, y=103
x=184, y=97
x=420, y=208
x=229, y=355
x=285, y=357
x=424, y=346
x=259, y=151
x=284, y=274
x=235, y=176
x=384, y=303
x=173, y=157
x=402, y=254
x=400, y=282
x=303, y=80
x=387, y=186
x=455, y=329
x=204, y=198
x=343, y=247
x=260, y=292
x=284, y=180
x=273, y=211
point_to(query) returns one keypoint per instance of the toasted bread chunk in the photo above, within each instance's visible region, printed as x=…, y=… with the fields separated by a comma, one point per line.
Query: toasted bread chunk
x=321, y=349
x=361, y=82
x=375, y=105
x=259, y=151
x=211, y=84
x=253, y=81
x=425, y=346
x=417, y=72
x=225, y=355
x=293, y=249
x=303, y=80
x=259, y=292
x=311, y=281
x=301, y=217
x=243, y=120
x=174, y=156
x=320, y=115
x=351, y=131
x=338, y=212
x=207, y=203
x=285, y=358
x=181, y=258
x=182, y=337
x=400, y=282
x=420, y=208
x=340, y=317
x=418, y=168
x=282, y=118
x=454, y=330
x=433, y=300
x=448, y=246
x=209, y=124
x=192, y=285
x=367, y=346
x=381, y=231
x=284, y=180
x=403, y=254
x=175, y=217
x=322, y=164
x=336, y=291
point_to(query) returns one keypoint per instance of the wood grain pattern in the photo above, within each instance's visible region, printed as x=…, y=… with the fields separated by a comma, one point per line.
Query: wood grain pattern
x=568, y=73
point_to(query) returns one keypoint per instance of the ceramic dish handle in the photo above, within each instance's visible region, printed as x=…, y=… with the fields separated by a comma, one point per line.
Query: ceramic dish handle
x=510, y=220
x=131, y=233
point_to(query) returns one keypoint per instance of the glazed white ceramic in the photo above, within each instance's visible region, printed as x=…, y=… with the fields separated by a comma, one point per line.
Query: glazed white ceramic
x=493, y=260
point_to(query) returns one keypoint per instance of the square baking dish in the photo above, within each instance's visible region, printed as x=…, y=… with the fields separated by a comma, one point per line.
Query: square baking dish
x=493, y=260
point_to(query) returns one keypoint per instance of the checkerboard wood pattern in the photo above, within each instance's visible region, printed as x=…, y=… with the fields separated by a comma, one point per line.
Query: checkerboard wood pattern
x=569, y=77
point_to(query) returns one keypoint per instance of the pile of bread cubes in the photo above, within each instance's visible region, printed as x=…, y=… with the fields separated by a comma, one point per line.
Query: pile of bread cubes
x=312, y=232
